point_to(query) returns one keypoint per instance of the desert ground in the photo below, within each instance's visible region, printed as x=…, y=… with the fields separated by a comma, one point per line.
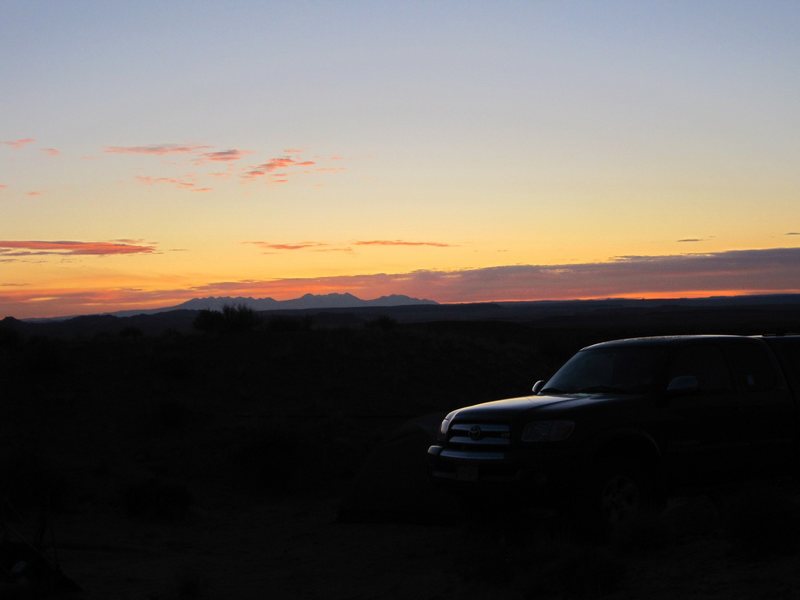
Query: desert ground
x=286, y=460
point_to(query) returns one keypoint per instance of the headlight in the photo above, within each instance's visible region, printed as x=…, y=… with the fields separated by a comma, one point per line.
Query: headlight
x=547, y=431
x=446, y=423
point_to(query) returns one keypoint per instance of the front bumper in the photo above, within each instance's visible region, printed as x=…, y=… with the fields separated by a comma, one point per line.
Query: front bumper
x=519, y=468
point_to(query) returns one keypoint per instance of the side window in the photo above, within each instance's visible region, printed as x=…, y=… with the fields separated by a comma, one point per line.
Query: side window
x=788, y=351
x=706, y=363
x=752, y=368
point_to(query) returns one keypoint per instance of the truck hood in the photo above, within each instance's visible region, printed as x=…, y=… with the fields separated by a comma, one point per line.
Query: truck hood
x=513, y=408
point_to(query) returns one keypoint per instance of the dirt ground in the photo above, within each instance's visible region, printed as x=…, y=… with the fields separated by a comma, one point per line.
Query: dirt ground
x=298, y=549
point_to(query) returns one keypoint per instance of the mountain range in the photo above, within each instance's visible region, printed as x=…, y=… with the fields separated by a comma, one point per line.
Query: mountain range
x=307, y=301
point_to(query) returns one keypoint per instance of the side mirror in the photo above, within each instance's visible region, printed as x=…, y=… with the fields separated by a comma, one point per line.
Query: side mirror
x=683, y=384
x=537, y=387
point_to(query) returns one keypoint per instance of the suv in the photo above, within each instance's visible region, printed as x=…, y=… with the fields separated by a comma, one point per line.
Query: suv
x=625, y=422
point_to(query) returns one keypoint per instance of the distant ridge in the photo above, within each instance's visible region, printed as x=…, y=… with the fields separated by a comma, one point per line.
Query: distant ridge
x=307, y=301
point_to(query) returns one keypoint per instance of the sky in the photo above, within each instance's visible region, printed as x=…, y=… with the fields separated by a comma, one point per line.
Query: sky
x=152, y=152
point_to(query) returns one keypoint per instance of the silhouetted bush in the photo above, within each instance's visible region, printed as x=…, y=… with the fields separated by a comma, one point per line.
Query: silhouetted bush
x=208, y=321
x=156, y=499
x=232, y=319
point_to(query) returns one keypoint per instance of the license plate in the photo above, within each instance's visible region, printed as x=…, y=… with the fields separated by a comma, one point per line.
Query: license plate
x=467, y=473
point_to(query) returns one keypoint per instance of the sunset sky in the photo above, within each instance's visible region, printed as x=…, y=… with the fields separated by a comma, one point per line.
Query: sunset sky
x=151, y=152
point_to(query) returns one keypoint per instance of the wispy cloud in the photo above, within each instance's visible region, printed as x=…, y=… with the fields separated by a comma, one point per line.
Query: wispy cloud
x=3, y=186
x=277, y=168
x=157, y=149
x=70, y=248
x=291, y=246
x=184, y=184
x=402, y=243
x=51, y=151
x=793, y=233
x=691, y=240
x=733, y=272
x=772, y=270
x=33, y=193
x=224, y=155
x=20, y=143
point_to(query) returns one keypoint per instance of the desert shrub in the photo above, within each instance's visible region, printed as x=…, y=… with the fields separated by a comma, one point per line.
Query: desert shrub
x=232, y=319
x=762, y=522
x=208, y=321
x=156, y=499
x=238, y=319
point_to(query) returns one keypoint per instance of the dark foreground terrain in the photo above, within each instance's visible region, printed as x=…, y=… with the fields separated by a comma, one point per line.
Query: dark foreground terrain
x=257, y=456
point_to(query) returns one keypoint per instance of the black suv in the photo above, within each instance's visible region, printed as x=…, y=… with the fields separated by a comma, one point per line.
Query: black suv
x=624, y=422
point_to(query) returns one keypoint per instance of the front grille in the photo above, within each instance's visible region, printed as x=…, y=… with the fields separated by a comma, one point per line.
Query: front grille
x=478, y=441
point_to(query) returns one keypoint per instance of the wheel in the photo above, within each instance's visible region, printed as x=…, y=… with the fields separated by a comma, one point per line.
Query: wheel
x=620, y=497
x=617, y=492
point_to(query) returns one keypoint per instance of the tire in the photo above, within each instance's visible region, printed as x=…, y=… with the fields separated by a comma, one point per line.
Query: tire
x=616, y=494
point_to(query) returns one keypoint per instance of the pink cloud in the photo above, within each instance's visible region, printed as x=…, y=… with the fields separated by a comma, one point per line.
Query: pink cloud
x=156, y=149
x=402, y=243
x=33, y=193
x=295, y=246
x=3, y=186
x=51, y=151
x=20, y=143
x=278, y=163
x=775, y=270
x=224, y=155
x=184, y=184
x=70, y=248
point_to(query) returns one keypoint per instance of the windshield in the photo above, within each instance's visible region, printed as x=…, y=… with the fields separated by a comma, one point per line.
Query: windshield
x=623, y=370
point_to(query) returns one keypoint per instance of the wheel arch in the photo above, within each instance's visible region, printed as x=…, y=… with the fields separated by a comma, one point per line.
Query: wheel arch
x=627, y=444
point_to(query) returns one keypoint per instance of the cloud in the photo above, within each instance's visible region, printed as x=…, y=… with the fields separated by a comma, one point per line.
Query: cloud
x=774, y=270
x=793, y=233
x=295, y=246
x=276, y=167
x=223, y=155
x=156, y=149
x=34, y=193
x=402, y=243
x=184, y=184
x=9, y=248
x=690, y=240
x=51, y=151
x=3, y=186
x=20, y=143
